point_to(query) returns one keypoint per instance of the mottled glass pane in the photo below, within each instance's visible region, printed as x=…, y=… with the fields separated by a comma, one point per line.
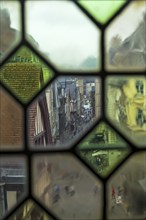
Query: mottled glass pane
x=103, y=149
x=125, y=106
x=13, y=180
x=25, y=74
x=125, y=39
x=102, y=11
x=64, y=112
x=127, y=190
x=65, y=35
x=30, y=210
x=64, y=186
x=11, y=123
x=10, y=30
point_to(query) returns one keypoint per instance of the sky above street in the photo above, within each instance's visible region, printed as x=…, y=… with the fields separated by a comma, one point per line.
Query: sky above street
x=65, y=33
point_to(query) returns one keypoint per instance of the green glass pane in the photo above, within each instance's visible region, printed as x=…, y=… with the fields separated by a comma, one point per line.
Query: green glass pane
x=24, y=74
x=103, y=149
x=102, y=10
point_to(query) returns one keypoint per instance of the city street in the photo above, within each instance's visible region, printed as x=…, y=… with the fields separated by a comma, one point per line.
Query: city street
x=80, y=203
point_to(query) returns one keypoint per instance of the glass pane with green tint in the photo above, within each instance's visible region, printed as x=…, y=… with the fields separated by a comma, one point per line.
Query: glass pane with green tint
x=102, y=11
x=103, y=149
x=25, y=74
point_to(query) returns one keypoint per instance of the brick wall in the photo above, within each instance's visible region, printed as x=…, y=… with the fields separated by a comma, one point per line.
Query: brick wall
x=22, y=78
x=32, y=111
x=11, y=122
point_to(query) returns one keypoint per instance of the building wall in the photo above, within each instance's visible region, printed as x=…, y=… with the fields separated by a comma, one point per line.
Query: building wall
x=11, y=122
x=97, y=98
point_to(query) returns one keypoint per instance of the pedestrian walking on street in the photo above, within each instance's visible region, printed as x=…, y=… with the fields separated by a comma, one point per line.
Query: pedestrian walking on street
x=113, y=193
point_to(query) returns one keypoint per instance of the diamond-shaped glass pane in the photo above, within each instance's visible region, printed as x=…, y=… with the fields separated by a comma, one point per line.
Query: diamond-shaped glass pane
x=64, y=186
x=126, y=106
x=65, y=35
x=25, y=74
x=101, y=10
x=64, y=111
x=125, y=39
x=9, y=26
x=126, y=195
x=11, y=123
x=13, y=180
x=30, y=210
x=103, y=149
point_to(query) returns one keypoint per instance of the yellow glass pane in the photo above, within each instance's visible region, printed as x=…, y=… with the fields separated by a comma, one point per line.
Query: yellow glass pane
x=125, y=106
x=30, y=210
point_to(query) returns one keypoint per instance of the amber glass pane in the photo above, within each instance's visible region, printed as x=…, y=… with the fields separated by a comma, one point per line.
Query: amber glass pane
x=11, y=123
x=65, y=35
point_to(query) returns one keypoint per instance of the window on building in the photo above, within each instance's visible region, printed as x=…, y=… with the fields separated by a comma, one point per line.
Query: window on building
x=72, y=109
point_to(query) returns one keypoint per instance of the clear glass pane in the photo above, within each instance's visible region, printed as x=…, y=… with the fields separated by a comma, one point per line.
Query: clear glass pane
x=65, y=35
x=102, y=11
x=11, y=123
x=13, y=180
x=10, y=30
x=126, y=106
x=103, y=149
x=64, y=112
x=125, y=39
x=25, y=74
x=127, y=190
x=64, y=186
x=30, y=211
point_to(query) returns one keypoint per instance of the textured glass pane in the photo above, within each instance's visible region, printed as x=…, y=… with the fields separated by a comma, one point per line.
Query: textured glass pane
x=125, y=105
x=102, y=11
x=103, y=149
x=11, y=123
x=13, y=180
x=65, y=35
x=125, y=39
x=127, y=190
x=10, y=31
x=24, y=74
x=65, y=187
x=30, y=211
x=65, y=110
